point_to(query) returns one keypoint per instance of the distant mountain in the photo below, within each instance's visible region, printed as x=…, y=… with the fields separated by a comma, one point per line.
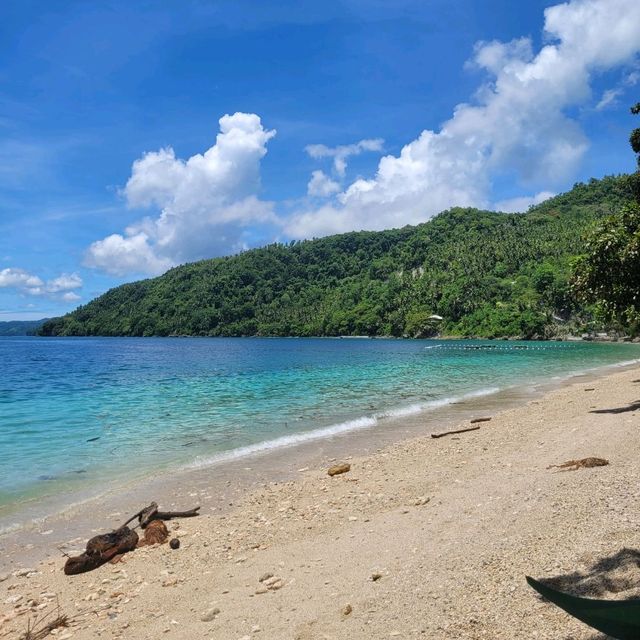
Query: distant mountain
x=484, y=273
x=21, y=327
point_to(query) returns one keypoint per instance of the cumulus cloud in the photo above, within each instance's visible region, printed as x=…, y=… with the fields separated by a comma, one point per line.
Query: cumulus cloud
x=322, y=185
x=207, y=204
x=18, y=279
x=342, y=152
x=64, y=282
x=522, y=203
x=516, y=125
x=60, y=288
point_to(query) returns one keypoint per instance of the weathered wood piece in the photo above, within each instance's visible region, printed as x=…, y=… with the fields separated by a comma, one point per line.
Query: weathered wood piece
x=583, y=463
x=450, y=433
x=479, y=420
x=101, y=549
x=168, y=515
x=110, y=546
x=148, y=514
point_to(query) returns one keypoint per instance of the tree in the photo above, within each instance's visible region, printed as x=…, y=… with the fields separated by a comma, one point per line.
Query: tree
x=609, y=273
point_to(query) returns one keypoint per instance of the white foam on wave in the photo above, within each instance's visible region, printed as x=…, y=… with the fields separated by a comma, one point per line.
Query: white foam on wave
x=10, y=528
x=364, y=422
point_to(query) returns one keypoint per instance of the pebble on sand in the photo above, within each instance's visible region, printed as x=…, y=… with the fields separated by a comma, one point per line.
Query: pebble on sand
x=210, y=614
x=337, y=469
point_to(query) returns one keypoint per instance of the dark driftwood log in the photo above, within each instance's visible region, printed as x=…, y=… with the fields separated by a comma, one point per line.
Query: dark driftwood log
x=479, y=420
x=146, y=515
x=167, y=515
x=101, y=549
x=450, y=433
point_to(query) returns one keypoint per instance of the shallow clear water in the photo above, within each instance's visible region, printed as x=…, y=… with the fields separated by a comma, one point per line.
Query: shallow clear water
x=74, y=412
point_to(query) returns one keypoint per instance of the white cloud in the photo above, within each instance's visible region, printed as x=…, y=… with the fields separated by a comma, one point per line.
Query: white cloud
x=207, y=203
x=64, y=282
x=522, y=203
x=132, y=253
x=18, y=279
x=610, y=96
x=322, y=185
x=30, y=284
x=342, y=152
x=517, y=125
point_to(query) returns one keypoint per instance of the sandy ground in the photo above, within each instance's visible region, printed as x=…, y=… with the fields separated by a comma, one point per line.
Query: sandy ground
x=428, y=538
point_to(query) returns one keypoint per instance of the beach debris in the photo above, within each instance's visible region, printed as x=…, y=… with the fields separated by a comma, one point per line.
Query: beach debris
x=174, y=543
x=111, y=546
x=156, y=532
x=479, y=420
x=41, y=630
x=590, y=389
x=449, y=433
x=583, y=463
x=346, y=610
x=210, y=614
x=421, y=501
x=375, y=576
x=337, y=469
x=101, y=549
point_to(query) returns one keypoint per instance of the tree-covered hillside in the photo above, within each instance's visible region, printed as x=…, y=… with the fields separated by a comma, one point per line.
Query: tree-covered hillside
x=485, y=273
x=20, y=327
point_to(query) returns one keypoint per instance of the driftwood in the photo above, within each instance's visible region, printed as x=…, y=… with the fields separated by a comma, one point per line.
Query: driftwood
x=146, y=515
x=450, y=433
x=101, y=549
x=110, y=546
x=479, y=420
x=583, y=463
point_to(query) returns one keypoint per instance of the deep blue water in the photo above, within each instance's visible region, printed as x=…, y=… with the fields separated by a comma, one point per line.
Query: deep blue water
x=74, y=410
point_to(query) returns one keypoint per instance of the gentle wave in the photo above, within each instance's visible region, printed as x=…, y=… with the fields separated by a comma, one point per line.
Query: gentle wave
x=364, y=422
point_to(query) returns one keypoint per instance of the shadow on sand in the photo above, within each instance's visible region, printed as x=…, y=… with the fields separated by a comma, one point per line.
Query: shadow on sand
x=607, y=578
x=610, y=575
x=632, y=406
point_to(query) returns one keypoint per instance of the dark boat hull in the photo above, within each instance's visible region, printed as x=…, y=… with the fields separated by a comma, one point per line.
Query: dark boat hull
x=617, y=618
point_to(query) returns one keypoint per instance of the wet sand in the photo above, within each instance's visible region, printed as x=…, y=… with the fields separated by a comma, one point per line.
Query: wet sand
x=449, y=525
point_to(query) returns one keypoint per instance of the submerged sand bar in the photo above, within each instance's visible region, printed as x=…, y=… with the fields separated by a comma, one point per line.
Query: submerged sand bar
x=424, y=538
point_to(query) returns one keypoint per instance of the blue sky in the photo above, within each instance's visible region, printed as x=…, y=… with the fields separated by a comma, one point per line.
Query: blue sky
x=139, y=135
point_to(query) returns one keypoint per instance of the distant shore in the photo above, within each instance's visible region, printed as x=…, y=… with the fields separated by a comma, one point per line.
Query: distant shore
x=424, y=538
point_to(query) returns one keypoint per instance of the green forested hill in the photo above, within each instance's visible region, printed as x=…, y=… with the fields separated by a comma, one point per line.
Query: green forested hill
x=487, y=274
x=20, y=327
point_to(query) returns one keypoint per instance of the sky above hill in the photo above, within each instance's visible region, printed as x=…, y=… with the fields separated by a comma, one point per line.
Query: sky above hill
x=138, y=135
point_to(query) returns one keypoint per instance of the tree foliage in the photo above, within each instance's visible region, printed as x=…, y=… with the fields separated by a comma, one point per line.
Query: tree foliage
x=487, y=274
x=608, y=273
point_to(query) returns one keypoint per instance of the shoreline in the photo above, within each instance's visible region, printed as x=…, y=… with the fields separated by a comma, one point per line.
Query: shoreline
x=439, y=520
x=256, y=465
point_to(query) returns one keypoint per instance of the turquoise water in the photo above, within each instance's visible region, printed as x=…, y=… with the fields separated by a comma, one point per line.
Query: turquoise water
x=76, y=411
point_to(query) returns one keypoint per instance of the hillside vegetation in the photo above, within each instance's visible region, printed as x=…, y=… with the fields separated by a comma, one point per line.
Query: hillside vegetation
x=487, y=274
x=20, y=327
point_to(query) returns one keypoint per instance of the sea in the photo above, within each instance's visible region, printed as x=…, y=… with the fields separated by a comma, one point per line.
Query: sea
x=78, y=413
